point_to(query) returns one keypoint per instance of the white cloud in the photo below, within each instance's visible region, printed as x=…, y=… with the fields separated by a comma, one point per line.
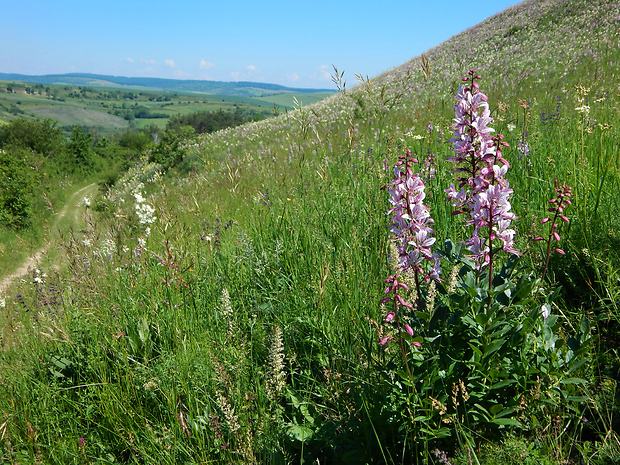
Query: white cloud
x=182, y=74
x=292, y=77
x=148, y=62
x=322, y=74
x=170, y=63
x=235, y=75
x=129, y=60
x=204, y=64
x=250, y=68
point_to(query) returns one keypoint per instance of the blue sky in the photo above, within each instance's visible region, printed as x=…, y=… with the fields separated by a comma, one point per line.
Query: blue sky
x=293, y=43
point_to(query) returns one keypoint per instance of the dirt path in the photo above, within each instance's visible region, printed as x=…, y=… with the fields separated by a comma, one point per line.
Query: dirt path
x=33, y=260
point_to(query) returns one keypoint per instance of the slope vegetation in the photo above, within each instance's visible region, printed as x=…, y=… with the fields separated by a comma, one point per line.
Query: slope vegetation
x=239, y=314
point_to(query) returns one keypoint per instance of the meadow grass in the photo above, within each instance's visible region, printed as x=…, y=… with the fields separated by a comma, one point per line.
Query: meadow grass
x=242, y=325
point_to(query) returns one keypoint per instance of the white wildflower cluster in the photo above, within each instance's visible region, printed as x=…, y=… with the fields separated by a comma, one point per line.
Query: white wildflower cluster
x=107, y=247
x=86, y=202
x=145, y=212
x=38, y=276
x=2, y=302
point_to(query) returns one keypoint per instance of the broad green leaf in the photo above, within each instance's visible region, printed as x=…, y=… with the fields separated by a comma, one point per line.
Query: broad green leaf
x=574, y=381
x=577, y=364
x=503, y=383
x=482, y=319
x=506, y=411
x=494, y=409
x=494, y=347
x=300, y=432
x=507, y=422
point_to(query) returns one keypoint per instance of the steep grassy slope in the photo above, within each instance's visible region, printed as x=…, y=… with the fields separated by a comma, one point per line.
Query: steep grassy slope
x=235, y=316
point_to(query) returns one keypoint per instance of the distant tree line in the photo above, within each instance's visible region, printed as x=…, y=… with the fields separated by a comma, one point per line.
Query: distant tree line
x=137, y=112
x=205, y=122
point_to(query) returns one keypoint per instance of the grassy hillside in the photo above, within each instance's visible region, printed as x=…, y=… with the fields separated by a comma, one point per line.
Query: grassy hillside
x=251, y=312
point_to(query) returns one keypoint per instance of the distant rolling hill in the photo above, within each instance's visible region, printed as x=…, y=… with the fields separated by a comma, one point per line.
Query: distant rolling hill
x=242, y=88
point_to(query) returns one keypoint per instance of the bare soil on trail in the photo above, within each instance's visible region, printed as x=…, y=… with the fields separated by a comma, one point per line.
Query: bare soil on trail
x=70, y=208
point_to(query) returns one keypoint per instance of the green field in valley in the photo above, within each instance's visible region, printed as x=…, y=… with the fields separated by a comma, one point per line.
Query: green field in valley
x=105, y=110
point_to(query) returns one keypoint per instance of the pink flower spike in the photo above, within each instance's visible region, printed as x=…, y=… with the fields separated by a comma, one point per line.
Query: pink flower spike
x=417, y=344
x=408, y=329
x=564, y=218
x=537, y=239
x=385, y=340
x=560, y=251
x=390, y=316
x=556, y=236
x=544, y=220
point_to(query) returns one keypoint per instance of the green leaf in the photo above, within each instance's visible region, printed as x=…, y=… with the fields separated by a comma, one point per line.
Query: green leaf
x=442, y=432
x=494, y=409
x=486, y=413
x=494, y=347
x=507, y=422
x=60, y=362
x=306, y=413
x=503, y=383
x=482, y=319
x=506, y=411
x=477, y=351
x=300, y=432
x=578, y=364
x=574, y=381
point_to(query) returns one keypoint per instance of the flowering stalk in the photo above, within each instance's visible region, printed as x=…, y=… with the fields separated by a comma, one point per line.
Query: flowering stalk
x=558, y=204
x=394, y=316
x=484, y=192
x=411, y=222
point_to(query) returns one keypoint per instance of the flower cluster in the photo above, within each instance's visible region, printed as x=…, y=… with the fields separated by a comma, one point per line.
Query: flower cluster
x=145, y=212
x=484, y=192
x=398, y=301
x=411, y=219
x=558, y=205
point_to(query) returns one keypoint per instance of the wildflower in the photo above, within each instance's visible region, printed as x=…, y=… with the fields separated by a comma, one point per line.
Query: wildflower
x=558, y=204
x=276, y=381
x=393, y=288
x=411, y=219
x=484, y=192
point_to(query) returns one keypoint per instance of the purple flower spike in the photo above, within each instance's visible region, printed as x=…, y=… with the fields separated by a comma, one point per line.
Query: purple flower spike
x=484, y=191
x=559, y=203
x=411, y=219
